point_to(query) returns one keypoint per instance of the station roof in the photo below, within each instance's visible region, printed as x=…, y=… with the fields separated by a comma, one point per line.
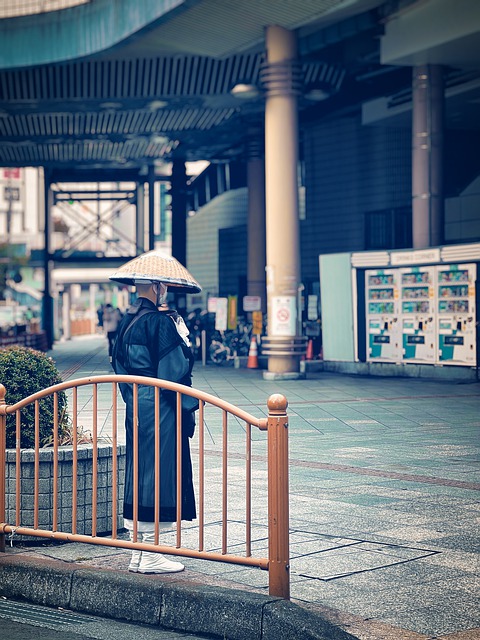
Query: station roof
x=112, y=88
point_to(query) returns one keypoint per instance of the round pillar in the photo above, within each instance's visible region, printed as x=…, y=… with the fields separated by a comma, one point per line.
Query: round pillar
x=256, y=218
x=66, y=320
x=282, y=83
x=427, y=156
x=47, y=300
x=92, y=289
x=179, y=222
x=151, y=207
x=140, y=220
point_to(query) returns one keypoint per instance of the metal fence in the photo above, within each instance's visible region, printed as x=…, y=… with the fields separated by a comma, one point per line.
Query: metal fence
x=242, y=552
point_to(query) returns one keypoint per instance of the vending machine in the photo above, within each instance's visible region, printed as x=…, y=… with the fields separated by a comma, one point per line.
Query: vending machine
x=383, y=334
x=417, y=306
x=456, y=314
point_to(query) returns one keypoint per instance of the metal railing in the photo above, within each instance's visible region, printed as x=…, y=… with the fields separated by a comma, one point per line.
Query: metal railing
x=277, y=562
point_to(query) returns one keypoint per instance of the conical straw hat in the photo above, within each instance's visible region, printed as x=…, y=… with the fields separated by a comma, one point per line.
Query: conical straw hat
x=157, y=267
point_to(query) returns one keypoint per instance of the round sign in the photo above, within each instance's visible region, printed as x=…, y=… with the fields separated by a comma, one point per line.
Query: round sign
x=283, y=315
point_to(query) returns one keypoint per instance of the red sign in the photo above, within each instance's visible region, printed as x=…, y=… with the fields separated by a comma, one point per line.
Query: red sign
x=11, y=174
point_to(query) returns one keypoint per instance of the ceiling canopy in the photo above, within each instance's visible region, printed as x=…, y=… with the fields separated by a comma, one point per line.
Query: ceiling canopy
x=152, y=81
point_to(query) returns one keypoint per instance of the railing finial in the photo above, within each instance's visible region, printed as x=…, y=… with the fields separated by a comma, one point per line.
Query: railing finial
x=277, y=403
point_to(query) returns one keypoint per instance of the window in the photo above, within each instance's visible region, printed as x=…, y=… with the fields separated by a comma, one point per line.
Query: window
x=388, y=228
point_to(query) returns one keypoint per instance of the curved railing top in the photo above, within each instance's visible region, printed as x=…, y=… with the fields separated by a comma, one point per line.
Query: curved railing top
x=276, y=403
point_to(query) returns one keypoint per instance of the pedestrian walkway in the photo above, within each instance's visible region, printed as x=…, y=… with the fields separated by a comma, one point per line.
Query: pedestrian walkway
x=384, y=497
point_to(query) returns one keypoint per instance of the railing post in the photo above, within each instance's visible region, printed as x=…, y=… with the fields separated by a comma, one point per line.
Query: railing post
x=278, y=514
x=3, y=453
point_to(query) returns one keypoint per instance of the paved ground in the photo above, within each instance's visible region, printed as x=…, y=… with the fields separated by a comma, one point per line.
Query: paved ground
x=384, y=484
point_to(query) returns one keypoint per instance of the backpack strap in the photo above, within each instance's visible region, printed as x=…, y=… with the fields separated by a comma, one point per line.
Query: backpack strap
x=122, y=334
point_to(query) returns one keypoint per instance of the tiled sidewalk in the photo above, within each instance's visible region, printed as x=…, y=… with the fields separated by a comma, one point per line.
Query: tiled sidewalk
x=384, y=484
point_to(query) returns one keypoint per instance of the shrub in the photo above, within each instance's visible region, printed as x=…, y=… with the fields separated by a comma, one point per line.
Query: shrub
x=25, y=371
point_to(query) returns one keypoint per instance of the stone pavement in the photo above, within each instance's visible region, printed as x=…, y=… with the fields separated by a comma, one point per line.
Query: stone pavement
x=384, y=499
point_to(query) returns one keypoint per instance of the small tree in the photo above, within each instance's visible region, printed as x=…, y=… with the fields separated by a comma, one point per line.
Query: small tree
x=25, y=371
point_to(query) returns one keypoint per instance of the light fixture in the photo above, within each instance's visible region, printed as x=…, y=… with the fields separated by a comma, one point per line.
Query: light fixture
x=154, y=105
x=317, y=91
x=159, y=139
x=111, y=105
x=245, y=91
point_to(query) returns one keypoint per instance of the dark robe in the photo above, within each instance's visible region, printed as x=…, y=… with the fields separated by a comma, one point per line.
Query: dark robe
x=148, y=344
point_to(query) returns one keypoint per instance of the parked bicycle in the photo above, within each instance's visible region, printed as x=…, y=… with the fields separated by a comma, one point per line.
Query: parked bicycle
x=225, y=346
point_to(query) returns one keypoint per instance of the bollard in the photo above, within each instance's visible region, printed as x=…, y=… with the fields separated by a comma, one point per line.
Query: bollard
x=278, y=512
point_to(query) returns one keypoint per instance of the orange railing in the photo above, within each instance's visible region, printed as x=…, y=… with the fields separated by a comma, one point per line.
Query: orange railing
x=275, y=512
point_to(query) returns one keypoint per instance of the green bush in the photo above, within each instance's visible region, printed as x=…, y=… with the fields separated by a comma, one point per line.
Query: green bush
x=23, y=372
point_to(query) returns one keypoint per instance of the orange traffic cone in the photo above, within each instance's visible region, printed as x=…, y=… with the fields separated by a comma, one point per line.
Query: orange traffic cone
x=309, y=354
x=252, y=362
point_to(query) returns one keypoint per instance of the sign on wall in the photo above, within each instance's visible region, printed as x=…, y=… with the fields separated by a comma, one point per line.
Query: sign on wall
x=221, y=314
x=284, y=316
x=212, y=304
x=312, y=308
x=252, y=303
x=257, y=321
x=232, y=312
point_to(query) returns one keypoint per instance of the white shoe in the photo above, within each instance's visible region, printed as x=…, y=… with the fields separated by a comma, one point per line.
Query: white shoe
x=136, y=556
x=155, y=562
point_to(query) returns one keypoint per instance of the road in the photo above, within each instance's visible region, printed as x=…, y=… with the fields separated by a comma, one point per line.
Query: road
x=25, y=621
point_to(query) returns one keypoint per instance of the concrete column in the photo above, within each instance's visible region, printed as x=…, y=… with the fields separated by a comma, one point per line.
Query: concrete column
x=427, y=156
x=56, y=323
x=140, y=222
x=179, y=211
x=67, y=331
x=47, y=300
x=282, y=84
x=179, y=221
x=92, y=290
x=151, y=208
x=256, y=285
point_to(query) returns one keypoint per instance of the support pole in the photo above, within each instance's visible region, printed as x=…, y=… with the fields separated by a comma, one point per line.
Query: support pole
x=140, y=222
x=179, y=222
x=256, y=285
x=278, y=513
x=179, y=211
x=66, y=306
x=47, y=300
x=92, y=289
x=151, y=207
x=427, y=156
x=282, y=81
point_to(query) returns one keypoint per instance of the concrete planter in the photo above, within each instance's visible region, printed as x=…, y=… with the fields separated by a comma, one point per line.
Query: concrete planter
x=65, y=486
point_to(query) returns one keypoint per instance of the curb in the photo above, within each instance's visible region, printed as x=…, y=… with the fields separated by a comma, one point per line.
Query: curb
x=164, y=601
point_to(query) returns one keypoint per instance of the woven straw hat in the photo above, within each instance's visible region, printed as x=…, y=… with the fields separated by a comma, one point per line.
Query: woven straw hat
x=153, y=266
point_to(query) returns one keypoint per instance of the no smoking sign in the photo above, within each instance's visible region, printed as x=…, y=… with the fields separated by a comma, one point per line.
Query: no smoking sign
x=284, y=314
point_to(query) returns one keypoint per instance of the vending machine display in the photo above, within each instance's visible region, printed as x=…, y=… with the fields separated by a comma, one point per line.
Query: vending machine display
x=383, y=339
x=456, y=314
x=418, y=314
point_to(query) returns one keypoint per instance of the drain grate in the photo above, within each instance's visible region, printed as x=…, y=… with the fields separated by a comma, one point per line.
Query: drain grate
x=38, y=615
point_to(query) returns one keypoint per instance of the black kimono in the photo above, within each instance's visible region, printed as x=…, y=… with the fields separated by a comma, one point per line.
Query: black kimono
x=148, y=344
